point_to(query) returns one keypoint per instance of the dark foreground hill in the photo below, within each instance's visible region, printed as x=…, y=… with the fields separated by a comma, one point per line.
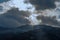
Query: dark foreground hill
x=28, y=32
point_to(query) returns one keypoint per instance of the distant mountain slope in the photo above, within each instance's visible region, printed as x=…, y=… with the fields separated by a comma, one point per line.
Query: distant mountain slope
x=28, y=32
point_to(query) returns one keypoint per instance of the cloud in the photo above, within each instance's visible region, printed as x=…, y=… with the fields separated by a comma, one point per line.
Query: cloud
x=49, y=20
x=1, y=1
x=20, y=4
x=43, y=4
x=14, y=18
x=1, y=8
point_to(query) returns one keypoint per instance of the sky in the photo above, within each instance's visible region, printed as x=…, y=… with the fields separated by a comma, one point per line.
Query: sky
x=33, y=7
x=21, y=5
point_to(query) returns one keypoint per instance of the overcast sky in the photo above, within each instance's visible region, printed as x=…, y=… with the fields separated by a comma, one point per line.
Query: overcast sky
x=47, y=6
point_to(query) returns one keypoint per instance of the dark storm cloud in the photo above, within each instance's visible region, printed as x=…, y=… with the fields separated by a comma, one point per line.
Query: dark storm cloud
x=1, y=1
x=1, y=8
x=43, y=4
x=58, y=0
x=49, y=20
x=14, y=18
